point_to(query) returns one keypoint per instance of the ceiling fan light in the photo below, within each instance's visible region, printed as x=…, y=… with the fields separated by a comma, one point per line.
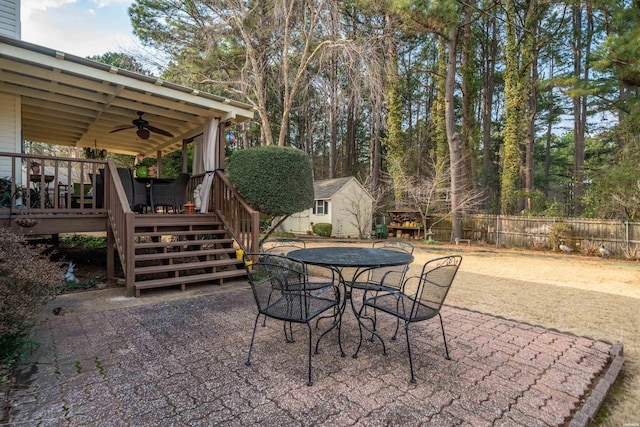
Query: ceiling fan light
x=143, y=133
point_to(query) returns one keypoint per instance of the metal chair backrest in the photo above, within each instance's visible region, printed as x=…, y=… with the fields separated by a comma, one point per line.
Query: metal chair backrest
x=392, y=276
x=394, y=244
x=279, y=286
x=282, y=246
x=434, y=284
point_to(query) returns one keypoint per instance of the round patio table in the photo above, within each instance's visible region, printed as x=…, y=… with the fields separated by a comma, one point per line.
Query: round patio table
x=362, y=259
x=342, y=257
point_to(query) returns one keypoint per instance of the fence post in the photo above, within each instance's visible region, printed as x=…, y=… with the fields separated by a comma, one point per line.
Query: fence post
x=497, y=230
x=626, y=234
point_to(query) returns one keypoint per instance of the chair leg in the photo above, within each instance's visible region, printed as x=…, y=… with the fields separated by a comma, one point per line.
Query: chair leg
x=309, y=383
x=446, y=349
x=395, y=334
x=406, y=330
x=355, y=355
x=253, y=336
x=288, y=338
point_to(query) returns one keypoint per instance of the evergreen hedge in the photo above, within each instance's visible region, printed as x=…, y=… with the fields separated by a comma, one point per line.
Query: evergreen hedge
x=322, y=229
x=275, y=180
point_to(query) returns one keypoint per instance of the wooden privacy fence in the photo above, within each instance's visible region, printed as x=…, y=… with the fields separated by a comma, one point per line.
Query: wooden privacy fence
x=535, y=232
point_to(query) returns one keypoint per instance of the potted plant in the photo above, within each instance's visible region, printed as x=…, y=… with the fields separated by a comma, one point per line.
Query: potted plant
x=35, y=167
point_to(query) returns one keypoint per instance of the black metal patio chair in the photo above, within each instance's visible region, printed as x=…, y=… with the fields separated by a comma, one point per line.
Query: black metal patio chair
x=283, y=246
x=373, y=278
x=417, y=299
x=393, y=275
x=315, y=283
x=280, y=291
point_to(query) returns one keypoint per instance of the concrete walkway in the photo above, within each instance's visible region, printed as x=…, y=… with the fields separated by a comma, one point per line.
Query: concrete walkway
x=177, y=358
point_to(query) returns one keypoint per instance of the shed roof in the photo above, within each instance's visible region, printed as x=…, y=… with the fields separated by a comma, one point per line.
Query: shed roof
x=326, y=188
x=74, y=101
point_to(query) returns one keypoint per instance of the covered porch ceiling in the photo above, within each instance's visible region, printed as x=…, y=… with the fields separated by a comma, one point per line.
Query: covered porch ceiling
x=72, y=101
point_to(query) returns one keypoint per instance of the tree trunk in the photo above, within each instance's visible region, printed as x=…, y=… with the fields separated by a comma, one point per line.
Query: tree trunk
x=468, y=150
x=512, y=131
x=531, y=52
x=549, y=135
x=452, y=136
x=488, y=158
x=393, y=142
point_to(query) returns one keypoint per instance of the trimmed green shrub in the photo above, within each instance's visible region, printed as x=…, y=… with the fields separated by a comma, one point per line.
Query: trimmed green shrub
x=275, y=180
x=322, y=229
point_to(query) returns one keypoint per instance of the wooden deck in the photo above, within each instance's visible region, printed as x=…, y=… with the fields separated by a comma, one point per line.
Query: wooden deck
x=169, y=249
x=155, y=250
x=178, y=250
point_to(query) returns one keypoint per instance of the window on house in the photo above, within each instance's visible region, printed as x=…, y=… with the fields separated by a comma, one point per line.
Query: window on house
x=321, y=207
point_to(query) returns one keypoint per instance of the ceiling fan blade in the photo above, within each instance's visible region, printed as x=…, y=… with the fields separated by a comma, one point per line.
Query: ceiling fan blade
x=121, y=127
x=160, y=131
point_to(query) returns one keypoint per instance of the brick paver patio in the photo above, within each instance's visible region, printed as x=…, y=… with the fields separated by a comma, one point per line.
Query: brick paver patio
x=181, y=362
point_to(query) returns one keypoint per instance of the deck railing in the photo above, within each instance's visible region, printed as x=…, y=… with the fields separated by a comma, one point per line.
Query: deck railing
x=40, y=184
x=241, y=220
x=121, y=230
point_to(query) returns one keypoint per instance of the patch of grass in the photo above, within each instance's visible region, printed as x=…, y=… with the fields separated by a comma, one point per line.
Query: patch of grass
x=431, y=242
x=78, y=286
x=83, y=241
x=14, y=348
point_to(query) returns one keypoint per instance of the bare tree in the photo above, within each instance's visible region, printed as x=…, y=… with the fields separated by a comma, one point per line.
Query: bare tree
x=430, y=192
x=360, y=215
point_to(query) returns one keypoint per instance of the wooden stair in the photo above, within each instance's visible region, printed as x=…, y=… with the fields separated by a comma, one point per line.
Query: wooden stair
x=178, y=250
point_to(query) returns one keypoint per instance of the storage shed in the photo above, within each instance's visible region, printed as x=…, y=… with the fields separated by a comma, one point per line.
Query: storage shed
x=342, y=202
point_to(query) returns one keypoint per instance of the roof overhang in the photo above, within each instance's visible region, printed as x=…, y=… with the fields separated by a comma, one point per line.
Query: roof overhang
x=70, y=100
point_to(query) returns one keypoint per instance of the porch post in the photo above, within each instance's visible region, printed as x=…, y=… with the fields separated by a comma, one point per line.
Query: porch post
x=222, y=141
x=159, y=163
x=185, y=155
x=217, y=191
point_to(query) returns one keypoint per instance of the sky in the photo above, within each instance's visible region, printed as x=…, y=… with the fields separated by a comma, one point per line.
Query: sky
x=78, y=27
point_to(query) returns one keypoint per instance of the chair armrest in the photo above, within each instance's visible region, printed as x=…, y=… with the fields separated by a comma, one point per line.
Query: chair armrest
x=393, y=279
x=407, y=288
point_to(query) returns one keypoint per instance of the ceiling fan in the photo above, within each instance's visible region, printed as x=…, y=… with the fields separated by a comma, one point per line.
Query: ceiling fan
x=143, y=127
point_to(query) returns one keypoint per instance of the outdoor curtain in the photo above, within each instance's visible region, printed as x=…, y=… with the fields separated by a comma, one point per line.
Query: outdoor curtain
x=209, y=144
x=197, y=162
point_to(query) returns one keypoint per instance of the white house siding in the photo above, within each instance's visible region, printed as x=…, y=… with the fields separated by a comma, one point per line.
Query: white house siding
x=10, y=18
x=9, y=130
x=298, y=223
x=339, y=211
x=352, y=196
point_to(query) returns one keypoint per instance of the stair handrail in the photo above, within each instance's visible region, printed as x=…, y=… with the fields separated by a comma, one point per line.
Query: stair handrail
x=240, y=219
x=121, y=226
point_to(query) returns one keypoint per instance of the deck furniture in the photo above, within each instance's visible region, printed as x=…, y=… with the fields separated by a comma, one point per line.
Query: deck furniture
x=416, y=299
x=316, y=283
x=354, y=262
x=136, y=191
x=98, y=193
x=40, y=190
x=169, y=193
x=374, y=276
x=81, y=195
x=279, y=286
